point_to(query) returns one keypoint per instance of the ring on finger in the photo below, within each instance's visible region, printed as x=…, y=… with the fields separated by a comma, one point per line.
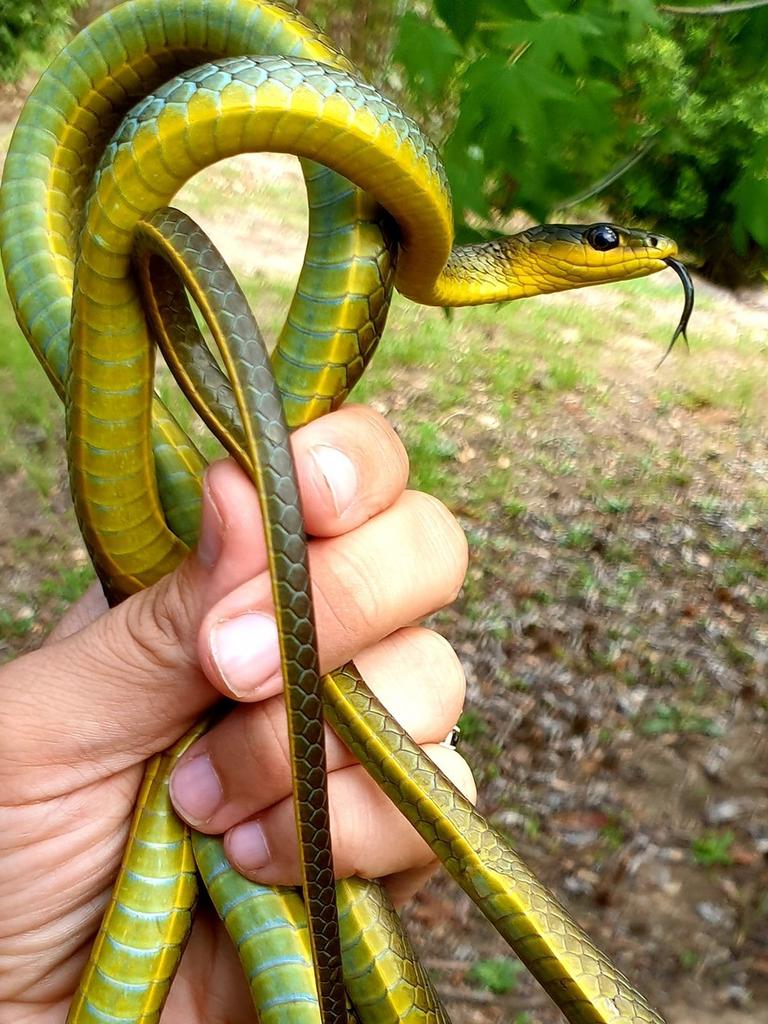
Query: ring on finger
x=452, y=739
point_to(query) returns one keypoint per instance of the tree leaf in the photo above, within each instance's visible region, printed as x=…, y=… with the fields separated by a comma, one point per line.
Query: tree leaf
x=428, y=54
x=460, y=16
x=750, y=199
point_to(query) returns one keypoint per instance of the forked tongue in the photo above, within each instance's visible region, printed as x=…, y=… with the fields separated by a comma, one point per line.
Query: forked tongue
x=682, y=272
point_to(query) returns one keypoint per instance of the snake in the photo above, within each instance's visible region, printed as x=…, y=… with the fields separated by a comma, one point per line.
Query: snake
x=98, y=268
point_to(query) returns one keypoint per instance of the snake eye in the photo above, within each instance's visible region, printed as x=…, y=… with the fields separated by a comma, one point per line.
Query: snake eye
x=602, y=237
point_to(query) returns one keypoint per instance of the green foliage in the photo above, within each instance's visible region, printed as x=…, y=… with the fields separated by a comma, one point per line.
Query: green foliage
x=531, y=113
x=69, y=585
x=689, y=960
x=535, y=101
x=713, y=849
x=701, y=85
x=668, y=718
x=472, y=726
x=27, y=26
x=499, y=976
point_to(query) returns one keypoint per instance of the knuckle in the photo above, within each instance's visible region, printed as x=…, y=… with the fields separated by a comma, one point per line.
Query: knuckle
x=446, y=664
x=266, y=736
x=346, y=589
x=159, y=624
x=355, y=824
x=464, y=779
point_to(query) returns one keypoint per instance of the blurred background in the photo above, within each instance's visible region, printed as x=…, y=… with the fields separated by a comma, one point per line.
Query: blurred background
x=614, y=623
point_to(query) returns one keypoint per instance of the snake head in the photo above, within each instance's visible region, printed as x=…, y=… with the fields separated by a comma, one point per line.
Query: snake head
x=556, y=257
x=578, y=255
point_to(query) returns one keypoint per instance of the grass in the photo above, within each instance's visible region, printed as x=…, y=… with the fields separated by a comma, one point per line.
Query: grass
x=500, y=975
x=713, y=849
x=670, y=719
x=487, y=369
x=31, y=418
x=234, y=185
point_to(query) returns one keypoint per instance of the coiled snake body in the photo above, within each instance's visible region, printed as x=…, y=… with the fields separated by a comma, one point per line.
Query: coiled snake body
x=151, y=93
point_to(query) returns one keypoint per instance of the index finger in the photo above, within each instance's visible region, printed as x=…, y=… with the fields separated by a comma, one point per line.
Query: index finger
x=351, y=466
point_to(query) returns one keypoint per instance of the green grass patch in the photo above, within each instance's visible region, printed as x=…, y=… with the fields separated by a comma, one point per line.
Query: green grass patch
x=713, y=849
x=500, y=975
x=31, y=416
x=68, y=586
x=669, y=718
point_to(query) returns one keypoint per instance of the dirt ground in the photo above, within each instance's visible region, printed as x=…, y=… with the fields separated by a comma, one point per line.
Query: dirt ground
x=603, y=789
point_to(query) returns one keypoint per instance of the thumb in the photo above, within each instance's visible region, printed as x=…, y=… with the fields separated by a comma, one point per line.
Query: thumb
x=106, y=695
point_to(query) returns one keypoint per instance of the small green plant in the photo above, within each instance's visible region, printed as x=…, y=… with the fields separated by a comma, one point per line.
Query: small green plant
x=472, y=726
x=614, y=505
x=613, y=836
x=532, y=825
x=689, y=959
x=12, y=626
x=580, y=535
x=499, y=976
x=69, y=585
x=617, y=552
x=737, y=655
x=681, y=667
x=668, y=718
x=584, y=583
x=713, y=849
x=513, y=508
x=628, y=580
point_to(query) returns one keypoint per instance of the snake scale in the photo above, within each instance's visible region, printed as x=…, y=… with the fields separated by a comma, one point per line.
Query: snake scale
x=96, y=265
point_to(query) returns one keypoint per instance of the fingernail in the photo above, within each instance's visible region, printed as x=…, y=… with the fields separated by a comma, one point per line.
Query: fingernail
x=211, y=530
x=246, y=650
x=339, y=475
x=247, y=846
x=195, y=789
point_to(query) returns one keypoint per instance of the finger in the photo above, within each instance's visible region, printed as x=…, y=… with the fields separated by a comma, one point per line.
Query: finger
x=370, y=836
x=128, y=683
x=395, y=569
x=242, y=766
x=352, y=465
x=404, y=885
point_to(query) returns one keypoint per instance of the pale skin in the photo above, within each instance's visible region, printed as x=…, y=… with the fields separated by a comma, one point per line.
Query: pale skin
x=79, y=717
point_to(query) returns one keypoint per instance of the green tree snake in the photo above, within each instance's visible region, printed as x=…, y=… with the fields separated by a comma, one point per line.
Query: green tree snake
x=144, y=98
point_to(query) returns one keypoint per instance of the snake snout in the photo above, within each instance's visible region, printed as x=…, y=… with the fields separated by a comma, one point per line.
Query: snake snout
x=659, y=246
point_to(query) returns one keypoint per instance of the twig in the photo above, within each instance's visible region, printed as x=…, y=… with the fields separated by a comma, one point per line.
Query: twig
x=614, y=174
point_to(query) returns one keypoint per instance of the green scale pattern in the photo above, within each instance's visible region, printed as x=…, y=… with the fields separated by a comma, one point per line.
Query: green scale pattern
x=172, y=236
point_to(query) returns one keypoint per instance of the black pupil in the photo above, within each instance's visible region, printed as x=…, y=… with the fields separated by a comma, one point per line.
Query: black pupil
x=603, y=237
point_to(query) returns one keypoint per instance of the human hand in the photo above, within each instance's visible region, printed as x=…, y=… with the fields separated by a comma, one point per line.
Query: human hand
x=109, y=689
